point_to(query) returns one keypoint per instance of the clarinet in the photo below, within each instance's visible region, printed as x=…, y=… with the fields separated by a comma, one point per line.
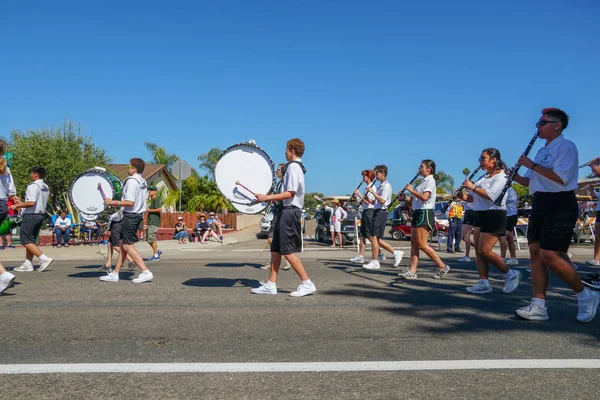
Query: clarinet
x=459, y=190
x=403, y=190
x=354, y=194
x=514, y=172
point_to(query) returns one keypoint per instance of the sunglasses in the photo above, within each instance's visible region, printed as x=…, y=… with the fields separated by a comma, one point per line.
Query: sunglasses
x=544, y=122
x=130, y=167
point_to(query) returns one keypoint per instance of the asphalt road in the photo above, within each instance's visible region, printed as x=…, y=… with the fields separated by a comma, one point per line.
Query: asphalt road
x=199, y=309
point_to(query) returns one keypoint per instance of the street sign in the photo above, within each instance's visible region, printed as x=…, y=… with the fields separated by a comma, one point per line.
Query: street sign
x=181, y=170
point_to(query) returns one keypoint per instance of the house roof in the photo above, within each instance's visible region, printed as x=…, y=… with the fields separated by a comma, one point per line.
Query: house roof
x=120, y=170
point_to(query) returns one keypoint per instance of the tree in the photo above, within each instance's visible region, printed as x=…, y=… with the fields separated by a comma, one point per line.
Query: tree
x=520, y=189
x=445, y=183
x=466, y=172
x=64, y=152
x=208, y=161
x=309, y=200
x=160, y=155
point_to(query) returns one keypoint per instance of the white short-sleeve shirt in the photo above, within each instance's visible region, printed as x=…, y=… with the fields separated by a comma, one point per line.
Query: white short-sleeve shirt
x=135, y=190
x=62, y=223
x=493, y=186
x=561, y=156
x=426, y=185
x=511, y=202
x=371, y=197
x=38, y=192
x=384, y=190
x=293, y=181
x=7, y=185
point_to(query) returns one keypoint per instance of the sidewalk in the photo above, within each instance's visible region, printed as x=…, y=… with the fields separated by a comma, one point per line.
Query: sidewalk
x=84, y=252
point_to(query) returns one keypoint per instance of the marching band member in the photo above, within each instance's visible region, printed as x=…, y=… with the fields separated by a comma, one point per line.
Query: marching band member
x=508, y=241
x=366, y=221
x=383, y=197
x=423, y=221
x=467, y=230
x=135, y=196
x=287, y=236
x=595, y=262
x=552, y=179
x=490, y=222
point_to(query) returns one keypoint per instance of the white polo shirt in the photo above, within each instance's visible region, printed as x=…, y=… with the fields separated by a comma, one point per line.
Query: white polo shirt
x=384, y=190
x=371, y=197
x=293, y=181
x=38, y=192
x=511, y=202
x=7, y=185
x=562, y=157
x=135, y=190
x=426, y=185
x=493, y=186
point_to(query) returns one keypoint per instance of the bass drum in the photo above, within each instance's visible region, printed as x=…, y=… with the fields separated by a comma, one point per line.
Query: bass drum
x=251, y=166
x=88, y=190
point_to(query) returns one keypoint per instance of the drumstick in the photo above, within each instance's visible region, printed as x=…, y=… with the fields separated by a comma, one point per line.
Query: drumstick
x=239, y=184
x=101, y=191
x=317, y=198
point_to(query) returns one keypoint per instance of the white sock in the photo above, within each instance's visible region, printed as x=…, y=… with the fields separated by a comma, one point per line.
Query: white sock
x=270, y=285
x=538, y=302
x=485, y=282
x=509, y=274
x=43, y=257
x=583, y=295
x=307, y=282
x=28, y=263
x=156, y=255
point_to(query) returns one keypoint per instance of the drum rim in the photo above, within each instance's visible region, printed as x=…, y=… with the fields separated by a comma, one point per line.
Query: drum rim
x=104, y=172
x=273, y=180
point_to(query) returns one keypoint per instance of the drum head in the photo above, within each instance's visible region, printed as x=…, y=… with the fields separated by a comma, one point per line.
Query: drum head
x=253, y=168
x=88, y=217
x=85, y=194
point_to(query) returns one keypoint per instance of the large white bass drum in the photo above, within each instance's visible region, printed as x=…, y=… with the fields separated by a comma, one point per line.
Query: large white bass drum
x=241, y=171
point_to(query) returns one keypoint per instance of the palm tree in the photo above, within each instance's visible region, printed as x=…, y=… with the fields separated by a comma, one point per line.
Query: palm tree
x=445, y=183
x=208, y=161
x=160, y=155
x=466, y=172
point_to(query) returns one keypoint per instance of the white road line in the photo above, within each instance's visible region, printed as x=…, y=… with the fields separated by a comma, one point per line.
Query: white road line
x=299, y=367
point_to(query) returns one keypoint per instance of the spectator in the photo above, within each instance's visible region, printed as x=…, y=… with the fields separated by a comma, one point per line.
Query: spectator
x=154, y=210
x=62, y=228
x=216, y=225
x=180, y=231
x=203, y=229
x=93, y=230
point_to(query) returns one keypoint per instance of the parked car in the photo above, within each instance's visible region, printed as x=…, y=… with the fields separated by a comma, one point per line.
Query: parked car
x=322, y=232
x=402, y=231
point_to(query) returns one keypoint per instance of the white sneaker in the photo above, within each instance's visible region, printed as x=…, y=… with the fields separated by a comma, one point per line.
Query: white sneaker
x=6, y=279
x=145, y=276
x=512, y=283
x=464, y=259
x=266, y=266
x=358, y=260
x=586, y=310
x=398, y=254
x=286, y=266
x=304, y=290
x=408, y=275
x=593, y=263
x=263, y=289
x=45, y=264
x=373, y=264
x=381, y=257
x=533, y=312
x=512, y=261
x=24, y=268
x=479, y=288
x=110, y=277
x=440, y=273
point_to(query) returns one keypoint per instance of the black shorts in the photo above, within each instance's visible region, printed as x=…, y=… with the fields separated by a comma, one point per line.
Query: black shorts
x=379, y=222
x=366, y=223
x=511, y=222
x=115, y=233
x=287, y=236
x=423, y=218
x=597, y=217
x=3, y=210
x=553, y=217
x=469, y=217
x=30, y=228
x=129, y=227
x=491, y=221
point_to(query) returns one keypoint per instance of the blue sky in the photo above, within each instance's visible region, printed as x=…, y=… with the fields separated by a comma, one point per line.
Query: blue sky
x=362, y=83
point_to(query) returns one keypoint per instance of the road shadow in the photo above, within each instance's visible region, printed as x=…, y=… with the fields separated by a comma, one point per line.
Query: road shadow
x=222, y=282
x=234, y=265
x=445, y=307
x=123, y=275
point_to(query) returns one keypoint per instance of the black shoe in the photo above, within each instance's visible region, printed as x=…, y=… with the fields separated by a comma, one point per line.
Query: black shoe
x=592, y=281
x=459, y=250
x=449, y=251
